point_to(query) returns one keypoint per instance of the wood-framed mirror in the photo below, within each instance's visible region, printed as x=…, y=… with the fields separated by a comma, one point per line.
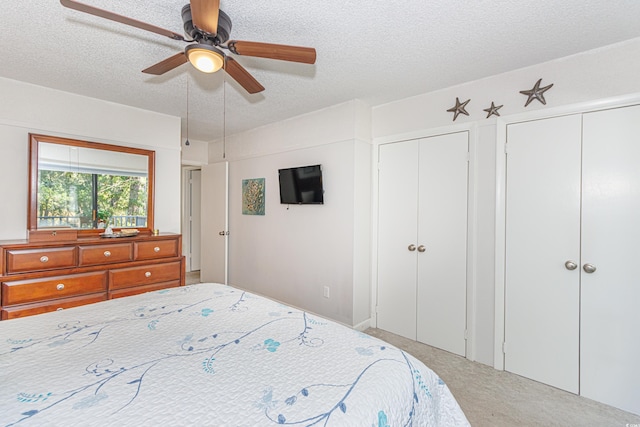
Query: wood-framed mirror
x=89, y=186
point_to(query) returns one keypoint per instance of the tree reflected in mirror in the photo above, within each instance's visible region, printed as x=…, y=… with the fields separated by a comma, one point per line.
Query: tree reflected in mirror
x=89, y=186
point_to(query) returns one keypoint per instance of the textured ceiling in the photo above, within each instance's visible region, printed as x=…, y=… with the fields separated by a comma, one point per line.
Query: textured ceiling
x=376, y=51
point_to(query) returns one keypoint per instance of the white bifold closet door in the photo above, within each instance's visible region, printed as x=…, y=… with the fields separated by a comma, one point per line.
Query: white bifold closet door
x=542, y=297
x=572, y=286
x=610, y=326
x=442, y=230
x=397, y=219
x=422, y=240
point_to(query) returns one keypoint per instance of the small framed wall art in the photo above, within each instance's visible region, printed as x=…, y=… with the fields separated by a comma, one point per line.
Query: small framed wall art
x=253, y=196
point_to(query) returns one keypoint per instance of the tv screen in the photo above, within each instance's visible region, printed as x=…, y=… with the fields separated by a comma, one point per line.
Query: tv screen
x=301, y=185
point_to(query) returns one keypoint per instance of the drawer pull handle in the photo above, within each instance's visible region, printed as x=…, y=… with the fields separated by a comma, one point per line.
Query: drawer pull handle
x=59, y=309
x=147, y=274
x=156, y=249
x=107, y=254
x=60, y=286
x=44, y=258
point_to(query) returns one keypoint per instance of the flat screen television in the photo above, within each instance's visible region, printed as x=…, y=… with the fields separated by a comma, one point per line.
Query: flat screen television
x=301, y=185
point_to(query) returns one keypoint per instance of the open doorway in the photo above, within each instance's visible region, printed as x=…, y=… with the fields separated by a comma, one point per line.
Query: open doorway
x=191, y=222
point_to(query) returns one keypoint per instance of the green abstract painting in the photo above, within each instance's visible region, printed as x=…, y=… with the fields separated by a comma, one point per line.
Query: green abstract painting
x=253, y=196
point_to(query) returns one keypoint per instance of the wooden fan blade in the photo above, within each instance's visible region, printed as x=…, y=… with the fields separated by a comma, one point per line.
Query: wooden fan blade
x=242, y=76
x=72, y=4
x=204, y=14
x=167, y=65
x=283, y=52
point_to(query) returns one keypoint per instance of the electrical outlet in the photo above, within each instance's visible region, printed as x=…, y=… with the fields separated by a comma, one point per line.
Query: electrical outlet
x=326, y=292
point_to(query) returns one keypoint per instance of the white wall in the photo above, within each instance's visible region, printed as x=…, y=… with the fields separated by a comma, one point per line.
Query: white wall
x=27, y=108
x=292, y=252
x=590, y=76
x=602, y=73
x=196, y=153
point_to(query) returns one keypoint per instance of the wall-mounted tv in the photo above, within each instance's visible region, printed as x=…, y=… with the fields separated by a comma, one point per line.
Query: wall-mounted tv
x=301, y=185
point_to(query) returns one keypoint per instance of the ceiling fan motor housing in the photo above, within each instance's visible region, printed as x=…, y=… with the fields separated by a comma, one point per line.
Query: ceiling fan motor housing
x=224, y=28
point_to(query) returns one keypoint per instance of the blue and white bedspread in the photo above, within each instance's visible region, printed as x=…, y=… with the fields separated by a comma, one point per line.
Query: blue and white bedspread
x=209, y=355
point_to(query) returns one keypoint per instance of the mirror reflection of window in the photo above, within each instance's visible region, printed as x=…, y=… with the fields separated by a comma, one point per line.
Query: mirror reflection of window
x=85, y=188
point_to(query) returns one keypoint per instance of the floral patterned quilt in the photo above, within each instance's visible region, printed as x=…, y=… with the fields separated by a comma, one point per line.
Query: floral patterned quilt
x=209, y=355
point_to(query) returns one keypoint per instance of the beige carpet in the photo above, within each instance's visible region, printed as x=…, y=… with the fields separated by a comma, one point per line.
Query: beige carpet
x=496, y=398
x=192, y=277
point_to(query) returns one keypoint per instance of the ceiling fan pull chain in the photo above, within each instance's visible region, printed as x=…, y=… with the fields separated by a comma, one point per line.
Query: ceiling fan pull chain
x=187, y=141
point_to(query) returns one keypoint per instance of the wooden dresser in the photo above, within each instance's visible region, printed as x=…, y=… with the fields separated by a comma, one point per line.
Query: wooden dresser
x=37, y=277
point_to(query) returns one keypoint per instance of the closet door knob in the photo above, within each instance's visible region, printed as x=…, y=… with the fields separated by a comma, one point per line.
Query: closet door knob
x=589, y=268
x=421, y=248
x=570, y=265
x=412, y=248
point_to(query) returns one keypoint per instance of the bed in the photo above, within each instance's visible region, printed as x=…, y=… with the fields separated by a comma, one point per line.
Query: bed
x=209, y=355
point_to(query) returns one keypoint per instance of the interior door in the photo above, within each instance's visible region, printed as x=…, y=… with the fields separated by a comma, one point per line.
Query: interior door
x=442, y=241
x=214, y=223
x=397, y=220
x=542, y=287
x=610, y=327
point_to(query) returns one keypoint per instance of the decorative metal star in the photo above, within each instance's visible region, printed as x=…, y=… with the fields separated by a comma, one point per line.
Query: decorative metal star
x=459, y=109
x=536, y=93
x=493, y=110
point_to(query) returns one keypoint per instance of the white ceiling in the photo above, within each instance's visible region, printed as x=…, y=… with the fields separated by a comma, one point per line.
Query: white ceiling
x=373, y=50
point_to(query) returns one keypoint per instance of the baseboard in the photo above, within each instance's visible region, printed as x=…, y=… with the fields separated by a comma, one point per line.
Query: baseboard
x=362, y=326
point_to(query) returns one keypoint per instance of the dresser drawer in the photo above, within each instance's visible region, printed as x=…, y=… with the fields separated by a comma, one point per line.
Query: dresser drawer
x=119, y=293
x=25, y=291
x=23, y=260
x=45, y=307
x=157, y=249
x=105, y=254
x=144, y=275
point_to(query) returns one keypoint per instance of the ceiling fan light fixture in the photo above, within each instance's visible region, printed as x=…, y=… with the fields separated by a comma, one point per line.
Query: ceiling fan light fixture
x=204, y=57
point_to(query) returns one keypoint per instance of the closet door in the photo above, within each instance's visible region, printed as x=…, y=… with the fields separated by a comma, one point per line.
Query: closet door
x=542, y=286
x=397, y=219
x=442, y=241
x=610, y=326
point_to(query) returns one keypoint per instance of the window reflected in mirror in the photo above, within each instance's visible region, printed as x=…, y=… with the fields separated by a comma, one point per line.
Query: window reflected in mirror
x=89, y=186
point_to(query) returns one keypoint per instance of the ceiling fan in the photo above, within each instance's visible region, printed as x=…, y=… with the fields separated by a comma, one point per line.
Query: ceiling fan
x=209, y=29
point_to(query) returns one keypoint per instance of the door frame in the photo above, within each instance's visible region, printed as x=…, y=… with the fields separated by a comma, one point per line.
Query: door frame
x=500, y=224
x=472, y=129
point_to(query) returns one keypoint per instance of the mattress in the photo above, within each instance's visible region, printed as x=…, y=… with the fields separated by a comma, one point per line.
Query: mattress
x=209, y=355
